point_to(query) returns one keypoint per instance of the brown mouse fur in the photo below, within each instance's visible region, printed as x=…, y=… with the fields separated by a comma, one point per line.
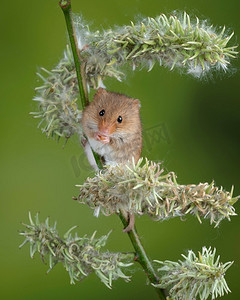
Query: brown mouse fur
x=119, y=142
x=115, y=142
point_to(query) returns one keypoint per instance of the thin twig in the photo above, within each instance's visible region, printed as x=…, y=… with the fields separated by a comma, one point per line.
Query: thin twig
x=141, y=255
x=79, y=64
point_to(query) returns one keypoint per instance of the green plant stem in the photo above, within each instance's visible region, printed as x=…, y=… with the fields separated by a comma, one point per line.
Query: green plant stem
x=98, y=160
x=66, y=8
x=79, y=64
x=141, y=255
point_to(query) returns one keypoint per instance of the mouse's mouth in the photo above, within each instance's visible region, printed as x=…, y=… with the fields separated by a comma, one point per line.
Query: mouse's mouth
x=102, y=138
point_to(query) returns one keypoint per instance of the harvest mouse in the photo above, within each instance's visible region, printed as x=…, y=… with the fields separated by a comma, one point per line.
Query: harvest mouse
x=112, y=125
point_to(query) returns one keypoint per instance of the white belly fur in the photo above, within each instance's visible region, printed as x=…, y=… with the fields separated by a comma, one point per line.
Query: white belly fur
x=104, y=150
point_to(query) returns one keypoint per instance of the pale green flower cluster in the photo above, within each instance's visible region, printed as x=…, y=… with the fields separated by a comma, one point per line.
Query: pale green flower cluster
x=174, y=41
x=144, y=188
x=57, y=96
x=80, y=256
x=196, y=277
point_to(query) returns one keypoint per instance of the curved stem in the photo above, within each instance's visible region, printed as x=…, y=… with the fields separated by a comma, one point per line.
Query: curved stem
x=66, y=8
x=142, y=257
x=79, y=64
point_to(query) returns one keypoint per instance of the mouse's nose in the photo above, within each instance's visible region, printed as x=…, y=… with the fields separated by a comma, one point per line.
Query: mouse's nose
x=103, y=134
x=104, y=130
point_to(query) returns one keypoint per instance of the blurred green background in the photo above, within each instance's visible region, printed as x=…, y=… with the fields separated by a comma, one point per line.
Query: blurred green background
x=200, y=143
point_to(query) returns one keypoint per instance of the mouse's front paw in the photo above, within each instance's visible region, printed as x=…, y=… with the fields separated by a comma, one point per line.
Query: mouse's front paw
x=84, y=141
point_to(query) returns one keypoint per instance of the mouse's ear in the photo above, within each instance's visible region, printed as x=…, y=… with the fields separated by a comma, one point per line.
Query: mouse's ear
x=100, y=92
x=137, y=102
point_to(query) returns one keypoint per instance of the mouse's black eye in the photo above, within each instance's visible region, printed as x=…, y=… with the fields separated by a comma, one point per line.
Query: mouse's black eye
x=102, y=112
x=119, y=119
